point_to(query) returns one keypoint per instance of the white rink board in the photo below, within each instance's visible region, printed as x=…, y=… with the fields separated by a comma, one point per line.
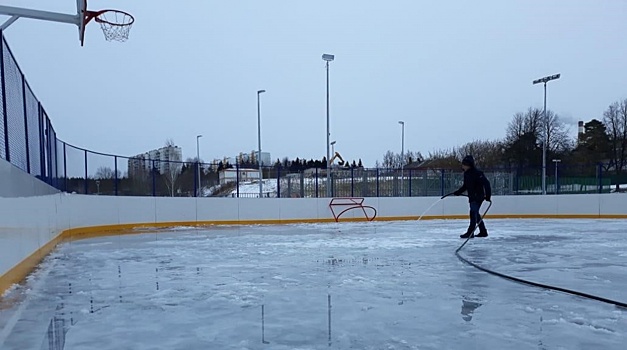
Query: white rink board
x=32, y=213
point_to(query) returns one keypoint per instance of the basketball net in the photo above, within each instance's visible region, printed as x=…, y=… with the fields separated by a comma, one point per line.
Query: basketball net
x=115, y=24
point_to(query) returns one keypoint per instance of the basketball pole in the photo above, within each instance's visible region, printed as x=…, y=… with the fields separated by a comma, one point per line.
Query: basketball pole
x=17, y=12
x=9, y=21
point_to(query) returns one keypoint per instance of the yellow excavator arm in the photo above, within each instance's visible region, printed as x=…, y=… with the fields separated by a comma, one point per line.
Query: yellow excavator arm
x=337, y=155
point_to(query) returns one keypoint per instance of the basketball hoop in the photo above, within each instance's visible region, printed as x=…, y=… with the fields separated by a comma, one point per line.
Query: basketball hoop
x=115, y=24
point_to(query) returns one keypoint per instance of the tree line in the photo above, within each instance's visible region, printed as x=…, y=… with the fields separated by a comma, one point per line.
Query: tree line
x=604, y=140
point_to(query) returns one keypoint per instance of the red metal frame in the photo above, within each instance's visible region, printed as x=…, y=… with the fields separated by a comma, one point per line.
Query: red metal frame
x=351, y=203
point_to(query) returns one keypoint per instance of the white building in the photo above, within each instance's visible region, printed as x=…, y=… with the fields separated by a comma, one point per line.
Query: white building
x=242, y=157
x=265, y=158
x=230, y=175
x=164, y=159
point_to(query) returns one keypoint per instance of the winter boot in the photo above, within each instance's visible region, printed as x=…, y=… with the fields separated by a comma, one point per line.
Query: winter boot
x=467, y=235
x=482, y=234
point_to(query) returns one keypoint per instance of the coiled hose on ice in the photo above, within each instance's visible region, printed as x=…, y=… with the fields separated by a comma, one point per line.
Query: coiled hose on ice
x=523, y=281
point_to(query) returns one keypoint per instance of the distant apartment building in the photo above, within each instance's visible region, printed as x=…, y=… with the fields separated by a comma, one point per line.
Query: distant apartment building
x=266, y=159
x=242, y=174
x=163, y=159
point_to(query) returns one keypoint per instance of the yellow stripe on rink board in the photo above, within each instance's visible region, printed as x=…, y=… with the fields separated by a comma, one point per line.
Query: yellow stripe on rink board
x=19, y=272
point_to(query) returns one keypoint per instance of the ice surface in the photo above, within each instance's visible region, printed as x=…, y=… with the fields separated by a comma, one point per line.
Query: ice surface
x=385, y=285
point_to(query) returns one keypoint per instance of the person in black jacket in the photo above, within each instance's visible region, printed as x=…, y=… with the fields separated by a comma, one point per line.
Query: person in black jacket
x=478, y=188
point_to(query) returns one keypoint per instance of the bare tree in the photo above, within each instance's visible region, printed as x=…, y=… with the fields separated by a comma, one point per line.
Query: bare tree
x=526, y=134
x=523, y=124
x=615, y=120
x=441, y=154
x=559, y=140
x=413, y=157
x=140, y=176
x=389, y=160
x=443, y=159
x=487, y=154
x=172, y=170
x=396, y=160
x=104, y=172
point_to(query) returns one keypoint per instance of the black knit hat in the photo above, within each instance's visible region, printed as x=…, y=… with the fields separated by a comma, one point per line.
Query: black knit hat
x=469, y=161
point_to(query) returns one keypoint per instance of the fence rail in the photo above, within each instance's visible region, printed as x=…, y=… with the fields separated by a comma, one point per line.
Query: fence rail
x=29, y=142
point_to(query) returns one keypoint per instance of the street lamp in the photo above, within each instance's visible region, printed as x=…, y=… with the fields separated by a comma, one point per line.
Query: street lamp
x=402, y=153
x=259, y=141
x=556, y=161
x=546, y=127
x=328, y=58
x=198, y=164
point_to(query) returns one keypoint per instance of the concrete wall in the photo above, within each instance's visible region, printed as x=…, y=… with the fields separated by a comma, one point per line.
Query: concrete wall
x=34, y=217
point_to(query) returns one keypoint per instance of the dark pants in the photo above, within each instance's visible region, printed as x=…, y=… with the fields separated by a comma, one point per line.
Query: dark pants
x=475, y=216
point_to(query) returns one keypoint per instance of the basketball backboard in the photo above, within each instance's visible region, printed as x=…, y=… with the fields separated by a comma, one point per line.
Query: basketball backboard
x=115, y=24
x=81, y=7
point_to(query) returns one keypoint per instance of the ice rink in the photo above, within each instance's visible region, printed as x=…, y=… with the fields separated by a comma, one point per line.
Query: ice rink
x=374, y=285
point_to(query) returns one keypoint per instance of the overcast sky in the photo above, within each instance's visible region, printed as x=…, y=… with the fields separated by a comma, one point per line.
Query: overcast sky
x=454, y=71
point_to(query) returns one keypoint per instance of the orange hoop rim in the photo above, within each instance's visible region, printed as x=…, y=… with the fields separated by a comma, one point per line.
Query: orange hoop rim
x=94, y=15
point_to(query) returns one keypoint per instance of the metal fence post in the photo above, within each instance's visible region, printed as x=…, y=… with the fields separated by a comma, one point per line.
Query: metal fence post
x=154, y=179
x=42, y=153
x=115, y=175
x=196, y=165
x=442, y=189
x=49, y=153
x=65, y=166
x=517, y=183
x=237, y=178
x=352, y=182
x=278, y=182
x=426, y=186
x=377, y=177
x=7, y=153
x=600, y=176
x=316, y=182
x=25, y=124
x=409, y=185
x=557, y=179
x=56, y=162
x=85, y=152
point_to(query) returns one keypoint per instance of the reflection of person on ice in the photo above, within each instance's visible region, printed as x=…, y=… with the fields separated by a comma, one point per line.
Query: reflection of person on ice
x=478, y=188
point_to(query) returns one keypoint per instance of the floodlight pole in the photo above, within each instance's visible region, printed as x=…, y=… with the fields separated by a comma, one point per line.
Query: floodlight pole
x=328, y=58
x=259, y=142
x=402, y=153
x=546, y=127
x=199, y=189
x=556, y=161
